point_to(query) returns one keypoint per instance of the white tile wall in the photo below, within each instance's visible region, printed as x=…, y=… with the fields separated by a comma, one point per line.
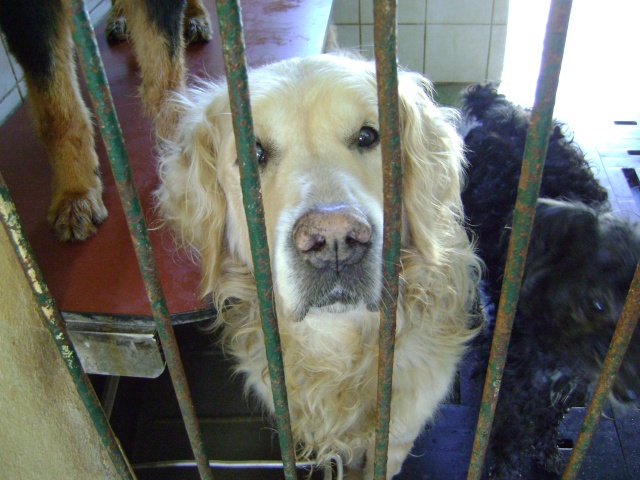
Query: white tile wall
x=367, y=40
x=471, y=12
x=411, y=12
x=348, y=11
x=366, y=11
x=349, y=36
x=410, y=46
x=457, y=53
x=12, y=85
x=500, y=12
x=496, y=52
x=448, y=40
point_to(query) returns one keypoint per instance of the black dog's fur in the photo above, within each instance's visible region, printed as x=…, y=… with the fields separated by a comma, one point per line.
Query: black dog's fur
x=580, y=263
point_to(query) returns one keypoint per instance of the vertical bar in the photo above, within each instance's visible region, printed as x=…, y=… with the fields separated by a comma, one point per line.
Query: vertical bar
x=528, y=190
x=230, y=21
x=613, y=360
x=387, y=79
x=57, y=329
x=100, y=93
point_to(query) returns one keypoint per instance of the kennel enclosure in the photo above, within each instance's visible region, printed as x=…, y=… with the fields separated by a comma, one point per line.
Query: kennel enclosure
x=229, y=18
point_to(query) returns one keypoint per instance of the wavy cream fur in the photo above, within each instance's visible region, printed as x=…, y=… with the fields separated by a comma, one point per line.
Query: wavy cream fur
x=307, y=108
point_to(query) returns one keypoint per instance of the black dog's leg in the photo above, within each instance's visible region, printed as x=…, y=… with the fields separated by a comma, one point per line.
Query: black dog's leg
x=38, y=33
x=196, y=24
x=156, y=33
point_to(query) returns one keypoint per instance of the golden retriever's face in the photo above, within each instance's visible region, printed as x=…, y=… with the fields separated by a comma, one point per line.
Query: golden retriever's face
x=321, y=177
x=316, y=125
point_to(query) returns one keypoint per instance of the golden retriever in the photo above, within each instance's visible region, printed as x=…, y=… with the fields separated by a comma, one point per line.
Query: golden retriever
x=316, y=124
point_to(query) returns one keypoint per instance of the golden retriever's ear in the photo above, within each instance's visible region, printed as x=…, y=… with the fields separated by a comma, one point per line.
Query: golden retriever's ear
x=433, y=168
x=190, y=198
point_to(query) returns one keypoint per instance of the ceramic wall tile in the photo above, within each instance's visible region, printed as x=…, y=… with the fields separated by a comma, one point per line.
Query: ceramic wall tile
x=411, y=47
x=411, y=11
x=366, y=12
x=366, y=35
x=500, y=12
x=346, y=11
x=457, y=53
x=496, y=52
x=459, y=11
x=348, y=36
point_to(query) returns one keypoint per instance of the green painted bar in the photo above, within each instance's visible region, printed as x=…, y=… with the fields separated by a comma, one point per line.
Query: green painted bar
x=388, y=108
x=528, y=190
x=57, y=329
x=233, y=50
x=618, y=347
x=100, y=93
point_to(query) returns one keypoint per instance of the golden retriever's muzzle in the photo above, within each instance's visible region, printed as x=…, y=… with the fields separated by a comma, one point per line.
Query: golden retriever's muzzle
x=331, y=249
x=332, y=237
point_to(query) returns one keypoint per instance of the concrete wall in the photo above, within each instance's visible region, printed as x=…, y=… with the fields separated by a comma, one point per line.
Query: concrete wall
x=46, y=432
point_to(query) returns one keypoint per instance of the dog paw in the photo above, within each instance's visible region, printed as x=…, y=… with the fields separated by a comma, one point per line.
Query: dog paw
x=197, y=28
x=116, y=29
x=76, y=217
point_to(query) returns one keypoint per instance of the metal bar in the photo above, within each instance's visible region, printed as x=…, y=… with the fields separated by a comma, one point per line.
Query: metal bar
x=528, y=190
x=108, y=398
x=249, y=464
x=387, y=80
x=228, y=464
x=239, y=464
x=233, y=50
x=54, y=323
x=618, y=347
x=100, y=93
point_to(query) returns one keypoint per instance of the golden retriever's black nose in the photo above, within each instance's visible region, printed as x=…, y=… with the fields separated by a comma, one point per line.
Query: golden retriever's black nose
x=332, y=237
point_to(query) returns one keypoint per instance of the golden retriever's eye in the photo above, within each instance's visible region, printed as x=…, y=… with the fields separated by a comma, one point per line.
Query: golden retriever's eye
x=261, y=156
x=367, y=137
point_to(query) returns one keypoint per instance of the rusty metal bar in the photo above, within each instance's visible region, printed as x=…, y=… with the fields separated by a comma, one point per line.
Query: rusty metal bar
x=233, y=50
x=528, y=190
x=384, y=14
x=613, y=360
x=55, y=324
x=100, y=93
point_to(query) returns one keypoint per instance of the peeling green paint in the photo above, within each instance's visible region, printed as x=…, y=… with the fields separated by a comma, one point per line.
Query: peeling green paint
x=229, y=20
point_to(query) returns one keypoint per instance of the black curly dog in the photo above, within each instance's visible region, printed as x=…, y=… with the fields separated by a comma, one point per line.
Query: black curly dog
x=580, y=263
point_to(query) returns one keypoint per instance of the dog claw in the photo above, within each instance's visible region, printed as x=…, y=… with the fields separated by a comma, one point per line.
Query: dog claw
x=197, y=29
x=76, y=218
x=116, y=29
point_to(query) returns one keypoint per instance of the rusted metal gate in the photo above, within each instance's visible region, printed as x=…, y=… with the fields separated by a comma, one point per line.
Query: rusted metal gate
x=385, y=53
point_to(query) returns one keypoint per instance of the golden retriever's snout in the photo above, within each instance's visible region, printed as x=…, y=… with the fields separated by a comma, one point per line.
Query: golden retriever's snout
x=332, y=237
